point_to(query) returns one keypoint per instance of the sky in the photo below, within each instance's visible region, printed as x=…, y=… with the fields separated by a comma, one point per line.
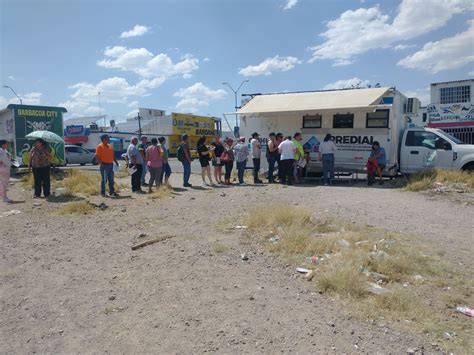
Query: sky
x=175, y=55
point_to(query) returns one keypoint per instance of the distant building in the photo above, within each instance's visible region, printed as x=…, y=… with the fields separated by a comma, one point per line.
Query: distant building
x=452, y=108
x=151, y=122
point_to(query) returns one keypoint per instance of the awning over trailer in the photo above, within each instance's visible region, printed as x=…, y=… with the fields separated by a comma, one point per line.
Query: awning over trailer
x=314, y=101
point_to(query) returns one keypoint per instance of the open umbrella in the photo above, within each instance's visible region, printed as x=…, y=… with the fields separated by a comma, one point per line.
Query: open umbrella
x=47, y=136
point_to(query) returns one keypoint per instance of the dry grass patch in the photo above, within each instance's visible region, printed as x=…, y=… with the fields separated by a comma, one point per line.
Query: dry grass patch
x=423, y=181
x=219, y=248
x=163, y=192
x=77, y=208
x=413, y=279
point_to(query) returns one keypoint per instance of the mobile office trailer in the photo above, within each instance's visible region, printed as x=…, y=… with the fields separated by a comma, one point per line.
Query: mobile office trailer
x=355, y=117
x=17, y=121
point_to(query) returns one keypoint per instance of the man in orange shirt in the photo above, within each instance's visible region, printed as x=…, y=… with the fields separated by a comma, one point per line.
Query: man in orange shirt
x=104, y=153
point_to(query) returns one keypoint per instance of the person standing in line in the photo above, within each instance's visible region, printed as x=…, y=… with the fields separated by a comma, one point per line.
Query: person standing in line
x=279, y=139
x=104, y=153
x=186, y=160
x=166, y=168
x=217, y=149
x=241, y=154
x=204, y=158
x=327, y=149
x=135, y=161
x=256, y=155
x=287, y=150
x=142, y=150
x=299, y=155
x=228, y=159
x=271, y=155
x=40, y=163
x=154, y=162
x=5, y=166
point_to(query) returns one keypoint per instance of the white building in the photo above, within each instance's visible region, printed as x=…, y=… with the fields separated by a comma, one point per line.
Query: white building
x=452, y=108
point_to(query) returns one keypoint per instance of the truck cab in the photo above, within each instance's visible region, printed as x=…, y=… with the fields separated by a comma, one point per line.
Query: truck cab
x=425, y=148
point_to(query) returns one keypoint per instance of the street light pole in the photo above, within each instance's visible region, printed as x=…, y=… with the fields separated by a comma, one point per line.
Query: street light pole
x=235, y=96
x=19, y=98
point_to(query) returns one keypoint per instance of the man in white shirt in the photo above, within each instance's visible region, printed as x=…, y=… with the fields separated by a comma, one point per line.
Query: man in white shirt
x=287, y=150
x=256, y=154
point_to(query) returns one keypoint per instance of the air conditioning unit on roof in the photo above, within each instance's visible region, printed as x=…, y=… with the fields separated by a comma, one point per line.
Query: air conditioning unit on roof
x=412, y=106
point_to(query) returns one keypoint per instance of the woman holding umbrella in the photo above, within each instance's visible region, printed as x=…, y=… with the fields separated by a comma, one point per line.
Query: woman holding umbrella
x=40, y=162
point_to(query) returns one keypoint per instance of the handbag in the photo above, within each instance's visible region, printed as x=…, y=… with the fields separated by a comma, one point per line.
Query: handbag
x=301, y=163
x=225, y=157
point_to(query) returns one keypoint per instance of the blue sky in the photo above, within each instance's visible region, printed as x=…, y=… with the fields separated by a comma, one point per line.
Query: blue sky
x=175, y=55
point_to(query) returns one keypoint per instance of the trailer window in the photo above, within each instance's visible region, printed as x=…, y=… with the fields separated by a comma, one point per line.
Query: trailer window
x=343, y=121
x=312, y=121
x=377, y=119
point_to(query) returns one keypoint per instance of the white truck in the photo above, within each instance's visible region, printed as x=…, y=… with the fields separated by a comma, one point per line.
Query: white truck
x=356, y=118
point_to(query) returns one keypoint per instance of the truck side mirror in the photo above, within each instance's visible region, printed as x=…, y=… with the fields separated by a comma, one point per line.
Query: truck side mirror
x=447, y=146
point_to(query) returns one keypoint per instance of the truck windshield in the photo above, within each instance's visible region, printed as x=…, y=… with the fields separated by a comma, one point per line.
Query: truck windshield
x=447, y=135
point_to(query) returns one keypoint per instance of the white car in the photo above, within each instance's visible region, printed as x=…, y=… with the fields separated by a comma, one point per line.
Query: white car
x=79, y=155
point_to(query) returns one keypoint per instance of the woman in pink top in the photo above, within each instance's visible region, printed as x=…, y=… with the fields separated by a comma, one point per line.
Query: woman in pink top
x=154, y=162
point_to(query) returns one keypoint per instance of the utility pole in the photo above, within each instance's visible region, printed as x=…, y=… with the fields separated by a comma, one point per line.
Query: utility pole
x=105, y=123
x=139, y=126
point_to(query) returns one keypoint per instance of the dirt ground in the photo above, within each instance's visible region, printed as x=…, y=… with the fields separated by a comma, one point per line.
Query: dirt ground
x=73, y=284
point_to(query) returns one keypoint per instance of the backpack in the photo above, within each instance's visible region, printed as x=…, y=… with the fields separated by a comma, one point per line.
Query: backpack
x=180, y=153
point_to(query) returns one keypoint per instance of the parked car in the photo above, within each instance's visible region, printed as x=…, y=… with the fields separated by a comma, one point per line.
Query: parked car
x=79, y=155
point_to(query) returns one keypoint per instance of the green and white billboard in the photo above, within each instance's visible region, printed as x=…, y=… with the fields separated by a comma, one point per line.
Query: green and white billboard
x=30, y=118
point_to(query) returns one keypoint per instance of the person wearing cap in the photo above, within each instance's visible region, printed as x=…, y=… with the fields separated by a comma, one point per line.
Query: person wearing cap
x=142, y=150
x=241, y=154
x=227, y=158
x=256, y=154
x=186, y=160
x=104, y=153
x=135, y=161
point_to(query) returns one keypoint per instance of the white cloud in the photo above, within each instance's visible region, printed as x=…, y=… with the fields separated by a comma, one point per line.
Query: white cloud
x=31, y=98
x=290, y=4
x=358, y=31
x=132, y=114
x=205, y=60
x=347, y=83
x=196, y=97
x=11, y=77
x=422, y=94
x=133, y=104
x=136, y=31
x=147, y=65
x=401, y=47
x=115, y=90
x=270, y=65
x=448, y=53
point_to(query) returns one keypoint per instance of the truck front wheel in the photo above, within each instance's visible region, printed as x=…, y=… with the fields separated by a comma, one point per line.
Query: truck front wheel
x=469, y=167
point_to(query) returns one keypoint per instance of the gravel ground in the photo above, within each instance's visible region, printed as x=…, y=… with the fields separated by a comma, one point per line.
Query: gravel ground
x=73, y=284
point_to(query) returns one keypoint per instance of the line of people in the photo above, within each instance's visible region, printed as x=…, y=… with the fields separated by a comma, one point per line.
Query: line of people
x=285, y=153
